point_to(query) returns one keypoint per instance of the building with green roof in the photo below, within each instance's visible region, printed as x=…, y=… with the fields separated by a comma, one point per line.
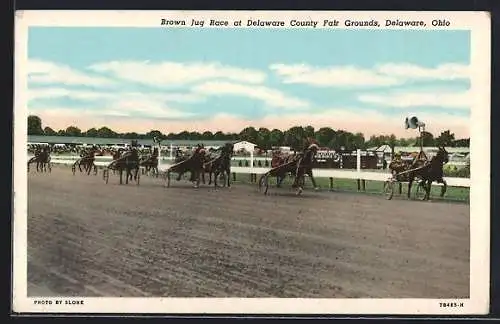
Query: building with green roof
x=70, y=140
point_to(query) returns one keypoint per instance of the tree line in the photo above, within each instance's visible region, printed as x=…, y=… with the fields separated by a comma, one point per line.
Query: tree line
x=263, y=137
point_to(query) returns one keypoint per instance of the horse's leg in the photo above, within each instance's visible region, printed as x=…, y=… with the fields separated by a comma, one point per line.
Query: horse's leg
x=195, y=177
x=410, y=182
x=121, y=174
x=444, y=187
x=228, y=172
x=216, y=175
x=428, y=190
x=310, y=174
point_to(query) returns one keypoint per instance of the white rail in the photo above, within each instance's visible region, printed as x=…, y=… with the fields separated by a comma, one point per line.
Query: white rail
x=320, y=173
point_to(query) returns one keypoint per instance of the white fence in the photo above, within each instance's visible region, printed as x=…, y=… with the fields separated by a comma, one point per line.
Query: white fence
x=320, y=173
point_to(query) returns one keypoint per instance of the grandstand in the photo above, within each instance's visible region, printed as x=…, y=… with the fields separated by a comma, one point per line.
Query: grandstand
x=78, y=141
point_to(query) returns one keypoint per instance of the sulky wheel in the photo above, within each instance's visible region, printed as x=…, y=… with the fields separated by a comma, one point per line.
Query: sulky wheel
x=420, y=191
x=73, y=168
x=264, y=183
x=222, y=179
x=105, y=175
x=389, y=189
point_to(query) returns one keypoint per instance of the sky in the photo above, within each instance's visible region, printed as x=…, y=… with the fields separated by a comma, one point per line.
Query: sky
x=139, y=79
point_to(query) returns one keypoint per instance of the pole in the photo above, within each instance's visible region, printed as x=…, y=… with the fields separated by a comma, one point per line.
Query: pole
x=358, y=160
x=421, y=139
x=159, y=155
x=171, y=153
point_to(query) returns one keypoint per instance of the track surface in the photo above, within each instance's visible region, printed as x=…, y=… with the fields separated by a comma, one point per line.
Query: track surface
x=86, y=238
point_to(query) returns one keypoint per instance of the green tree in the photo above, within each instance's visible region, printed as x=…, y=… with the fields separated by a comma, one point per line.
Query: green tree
x=92, y=132
x=49, y=131
x=131, y=135
x=219, y=136
x=207, y=136
x=464, y=142
x=445, y=139
x=359, y=141
x=263, y=138
x=324, y=136
x=427, y=139
x=249, y=134
x=155, y=133
x=34, y=125
x=294, y=137
x=195, y=136
x=276, y=137
x=309, y=131
x=106, y=132
x=73, y=131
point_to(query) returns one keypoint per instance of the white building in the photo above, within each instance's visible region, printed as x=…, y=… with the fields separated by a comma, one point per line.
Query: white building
x=244, y=145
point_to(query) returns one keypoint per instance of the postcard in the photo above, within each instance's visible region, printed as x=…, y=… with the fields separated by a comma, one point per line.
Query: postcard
x=251, y=162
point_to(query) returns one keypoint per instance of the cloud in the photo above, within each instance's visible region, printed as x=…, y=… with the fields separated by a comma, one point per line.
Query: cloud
x=175, y=74
x=405, y=71
x=367, y=122
x=46, y=72
x=126, y=104
x=334, y=76
x=383, y=75
x=270, y=97
x=85, y=95
x=446, y=99
x=135, y=110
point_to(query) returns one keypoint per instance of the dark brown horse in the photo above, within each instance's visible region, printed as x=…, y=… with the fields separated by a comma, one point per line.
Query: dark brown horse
x=150, y=163
x=220, y=166
x=430, y=172
x=297, y=166
x=128, y=162
x=86, y=160
x=279, y=159
x=42, y=160
x=194, y=165
x=305, y=164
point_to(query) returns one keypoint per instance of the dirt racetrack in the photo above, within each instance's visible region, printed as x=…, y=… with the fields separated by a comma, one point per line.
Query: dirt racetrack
x=86, y=238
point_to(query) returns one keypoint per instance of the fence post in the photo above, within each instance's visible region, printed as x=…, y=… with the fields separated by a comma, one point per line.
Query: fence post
x=358, y=168
x=358, y=160
x=159, y=156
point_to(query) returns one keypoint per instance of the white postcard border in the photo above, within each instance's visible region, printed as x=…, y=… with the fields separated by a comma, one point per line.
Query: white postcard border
x=478, y=303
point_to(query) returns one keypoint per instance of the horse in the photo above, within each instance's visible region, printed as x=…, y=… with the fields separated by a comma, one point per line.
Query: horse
x=150, y=163
x=305, y=164
x=42, y=159
x=430, y=172
x=221, y=165
x=297, y=166
x=193, y=164
x=86, y=159
x=128, y=162
x=277, y=160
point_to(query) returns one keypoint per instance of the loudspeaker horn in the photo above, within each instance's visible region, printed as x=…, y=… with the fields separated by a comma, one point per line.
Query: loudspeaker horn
x=413, y=122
